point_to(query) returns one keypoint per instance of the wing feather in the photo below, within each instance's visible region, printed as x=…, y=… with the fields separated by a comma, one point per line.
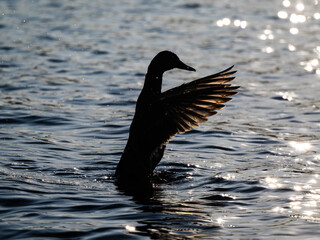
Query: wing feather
x=186, y=106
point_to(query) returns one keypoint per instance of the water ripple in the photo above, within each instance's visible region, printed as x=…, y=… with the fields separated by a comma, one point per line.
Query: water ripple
x=69, y=84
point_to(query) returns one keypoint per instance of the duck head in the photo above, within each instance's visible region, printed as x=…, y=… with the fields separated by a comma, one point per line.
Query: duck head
x=165, y=61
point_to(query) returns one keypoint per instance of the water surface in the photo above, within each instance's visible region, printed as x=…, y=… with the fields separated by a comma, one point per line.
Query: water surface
x=70, y=74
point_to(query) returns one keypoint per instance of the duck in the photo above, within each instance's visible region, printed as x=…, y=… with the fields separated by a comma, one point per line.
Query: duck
x=159, y=116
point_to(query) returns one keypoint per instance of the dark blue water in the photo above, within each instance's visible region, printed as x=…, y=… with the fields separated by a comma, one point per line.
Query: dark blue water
x=70, y=73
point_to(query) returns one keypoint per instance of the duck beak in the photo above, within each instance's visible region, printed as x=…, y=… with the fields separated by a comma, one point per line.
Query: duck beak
x=184, y=66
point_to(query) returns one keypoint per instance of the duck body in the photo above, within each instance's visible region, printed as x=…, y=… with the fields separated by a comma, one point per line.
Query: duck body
x=159, y=116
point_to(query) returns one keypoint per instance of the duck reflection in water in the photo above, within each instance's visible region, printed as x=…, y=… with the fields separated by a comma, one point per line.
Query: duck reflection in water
x=161, y=115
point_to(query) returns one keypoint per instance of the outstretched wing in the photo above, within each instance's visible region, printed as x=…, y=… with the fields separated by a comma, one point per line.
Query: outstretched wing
x=183, y=108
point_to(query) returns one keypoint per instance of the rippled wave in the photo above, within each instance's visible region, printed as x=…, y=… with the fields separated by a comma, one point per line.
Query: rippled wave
x=70, y=76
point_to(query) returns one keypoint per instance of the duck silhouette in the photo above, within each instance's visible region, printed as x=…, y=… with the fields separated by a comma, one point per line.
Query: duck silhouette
x=161, y=115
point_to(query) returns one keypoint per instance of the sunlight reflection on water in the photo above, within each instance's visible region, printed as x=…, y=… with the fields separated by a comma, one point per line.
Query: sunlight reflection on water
x=298, y=15
x=300, y=146
x=301, y=205
x=130, y=228
x=227, y=21
x=290, y=96
x=251, y=170
x=273, y=182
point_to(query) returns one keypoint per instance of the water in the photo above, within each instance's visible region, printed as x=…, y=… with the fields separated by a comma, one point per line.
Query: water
x=71, y=72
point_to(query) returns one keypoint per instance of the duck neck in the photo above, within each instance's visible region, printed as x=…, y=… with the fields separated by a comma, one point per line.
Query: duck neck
x=152, y=83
